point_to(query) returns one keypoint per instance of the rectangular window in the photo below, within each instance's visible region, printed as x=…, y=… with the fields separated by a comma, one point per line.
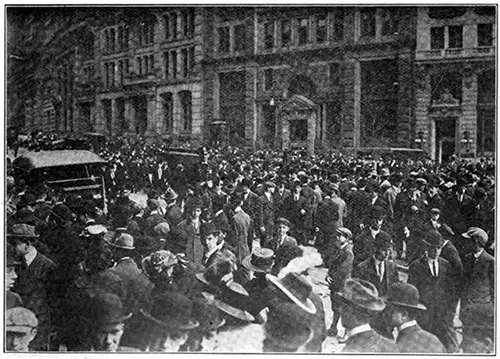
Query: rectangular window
x=120, y=71
x=455, y=34
x=321, y=26
x=334, y=68
x=268, y=79
x=173, y=54
x=168, y=106
x=106, y=75
x=191, y=59
x=368, y=22
x=223, y=39
x=286, y=33
x=112, y=40
x=338, y=28
x=167, y=24
x=173, y=22
x=390, y=21
x=138, y=64
x=486, y=130
x=146, y=33
x=188, y=22
x=166, y=62
x=303, y=31
x=485, y=35
x=239, y=38
x=186, y=111
x=269, y=35
x=185, y=62
x=112, y=74
x=437, y=38
x=151, y=63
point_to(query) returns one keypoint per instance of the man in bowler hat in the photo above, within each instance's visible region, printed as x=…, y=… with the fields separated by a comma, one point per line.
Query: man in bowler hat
x=432, y=276
x=403, y=308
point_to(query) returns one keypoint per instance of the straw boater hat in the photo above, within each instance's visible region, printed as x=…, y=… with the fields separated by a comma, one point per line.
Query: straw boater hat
x=20, y=320
x=231, y=302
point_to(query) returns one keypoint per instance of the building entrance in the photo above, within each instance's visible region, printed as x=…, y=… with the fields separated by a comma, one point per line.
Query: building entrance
x=445, y=139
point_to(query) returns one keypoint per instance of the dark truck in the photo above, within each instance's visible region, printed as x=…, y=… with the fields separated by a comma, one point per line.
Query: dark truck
x=68, y=170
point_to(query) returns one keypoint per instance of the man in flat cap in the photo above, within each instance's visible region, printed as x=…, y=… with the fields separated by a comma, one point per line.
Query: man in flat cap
x=360, y=301
x=21, y=328
x=339, y=262
x=478, y=295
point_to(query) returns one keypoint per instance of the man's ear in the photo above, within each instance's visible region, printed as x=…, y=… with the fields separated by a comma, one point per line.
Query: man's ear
x=33, y=333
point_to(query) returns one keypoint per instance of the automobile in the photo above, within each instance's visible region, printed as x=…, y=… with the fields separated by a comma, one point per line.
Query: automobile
x=68, y=170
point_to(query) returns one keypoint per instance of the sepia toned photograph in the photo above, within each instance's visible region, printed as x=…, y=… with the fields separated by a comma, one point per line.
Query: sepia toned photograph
x=250, y=178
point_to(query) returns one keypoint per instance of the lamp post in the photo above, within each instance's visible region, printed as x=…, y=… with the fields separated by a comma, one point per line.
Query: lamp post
x=466, y=141
x=420, y=140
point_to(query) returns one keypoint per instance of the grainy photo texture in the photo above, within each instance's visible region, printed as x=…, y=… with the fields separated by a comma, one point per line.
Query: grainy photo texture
x=249, y=179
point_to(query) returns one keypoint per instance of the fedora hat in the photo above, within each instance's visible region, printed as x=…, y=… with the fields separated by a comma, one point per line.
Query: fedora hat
x=362, y=294
x=476, y=233
x=123, y=241
x=295, y=287
x=94, y=230
x=22, y=230
x=433, y=239
x=261, y=260
x=106, y=308
x=171, y=310
x=232, y=303
x=20, y=320
x=406, y=295
x=287, y=327
x=170, y=195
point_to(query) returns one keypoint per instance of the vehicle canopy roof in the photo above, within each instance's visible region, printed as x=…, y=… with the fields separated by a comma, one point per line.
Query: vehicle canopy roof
x=45, y=159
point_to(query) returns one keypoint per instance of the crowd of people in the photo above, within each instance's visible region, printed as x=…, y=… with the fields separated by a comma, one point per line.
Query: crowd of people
x=219, y=259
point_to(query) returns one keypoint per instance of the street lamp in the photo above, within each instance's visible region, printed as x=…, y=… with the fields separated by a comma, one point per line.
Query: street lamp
x=420, y=139
x=466, y=140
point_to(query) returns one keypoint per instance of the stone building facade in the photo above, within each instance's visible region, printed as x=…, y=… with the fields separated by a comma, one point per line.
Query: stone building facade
x=349, y=68
x=269, y=77
x=455, y=88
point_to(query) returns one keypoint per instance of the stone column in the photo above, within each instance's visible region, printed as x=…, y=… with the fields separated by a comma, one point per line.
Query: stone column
x=160, y=115
x=357, y=105
x=176, y=123
x=151, y=115
x=114, y=117
x=311, y=133
x=130, y=115
x=285, y=133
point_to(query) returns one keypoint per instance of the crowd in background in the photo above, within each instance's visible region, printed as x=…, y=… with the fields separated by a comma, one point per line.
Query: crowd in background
x=220, y=257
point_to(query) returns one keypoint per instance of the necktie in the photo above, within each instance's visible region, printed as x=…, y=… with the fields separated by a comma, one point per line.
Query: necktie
x=434, y=264
x=381, y=271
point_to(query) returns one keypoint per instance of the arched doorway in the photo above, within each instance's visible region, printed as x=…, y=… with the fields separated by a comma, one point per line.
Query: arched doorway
x=302, y=85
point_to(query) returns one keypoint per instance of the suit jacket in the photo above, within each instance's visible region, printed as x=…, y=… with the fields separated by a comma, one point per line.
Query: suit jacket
x=357, y=206
x=279, y=200
x=366, y=270
x=340, y=267
x=35, y=285
x=416, y=340
x=479, y=283
x=436, y=293
x=265, y=215
x=191, y=237
x=369, y=342
x=287, y=241
x=137, y=286
x=238, y=238
x=250, y=204
x=458, y=214
x=327, y=217
x=292, y=209
x=363, y=246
